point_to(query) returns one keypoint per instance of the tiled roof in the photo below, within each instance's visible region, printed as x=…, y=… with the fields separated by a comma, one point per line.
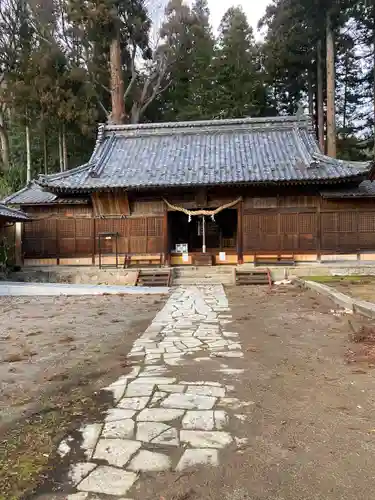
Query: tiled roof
x=33, y=194
x=365, y=189
x=207, y=153
x=10, y=214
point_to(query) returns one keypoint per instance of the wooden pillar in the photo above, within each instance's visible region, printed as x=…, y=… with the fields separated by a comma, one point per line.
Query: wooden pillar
x=319, y=229
x=93, y=229
x=165, y=238
x=203, y=234
x=18, y=244
x=240, y=232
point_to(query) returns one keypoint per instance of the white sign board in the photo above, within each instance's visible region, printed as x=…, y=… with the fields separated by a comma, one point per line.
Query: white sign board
x=185, y=257
x=222, y=256
x=182, y=248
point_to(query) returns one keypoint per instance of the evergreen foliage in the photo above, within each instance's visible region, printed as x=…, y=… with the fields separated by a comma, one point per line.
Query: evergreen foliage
x=57, y=74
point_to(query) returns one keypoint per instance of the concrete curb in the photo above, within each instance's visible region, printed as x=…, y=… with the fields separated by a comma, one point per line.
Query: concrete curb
x=356, y=305
x=8, y=288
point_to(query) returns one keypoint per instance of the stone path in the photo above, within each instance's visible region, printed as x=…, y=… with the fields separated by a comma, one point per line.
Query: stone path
x=160, y=421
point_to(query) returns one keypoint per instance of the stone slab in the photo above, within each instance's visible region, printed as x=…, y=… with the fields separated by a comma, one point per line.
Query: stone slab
x=148, y=461
x=147, y=431
x=206, y=390
x=189, y=402
x=159, y=415
x=109, y=481
x=136, y=403
x=206, y=439
x=199, y=456
x=119, y=429
x=119, y=414
x=78, y=471
x=116, y=451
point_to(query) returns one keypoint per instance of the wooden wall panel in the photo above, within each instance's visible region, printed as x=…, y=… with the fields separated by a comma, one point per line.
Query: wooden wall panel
x=110, y=204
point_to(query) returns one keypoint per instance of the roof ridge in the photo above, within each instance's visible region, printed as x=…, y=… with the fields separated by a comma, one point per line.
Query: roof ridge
x=96, y=166
x=61, y=175
x=305, y=119
x=349, y=163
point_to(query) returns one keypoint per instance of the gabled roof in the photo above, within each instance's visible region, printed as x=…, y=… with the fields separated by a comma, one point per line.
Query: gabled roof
x=33, y=194
x=12, y=215
x=206, y=153
x=365, y=189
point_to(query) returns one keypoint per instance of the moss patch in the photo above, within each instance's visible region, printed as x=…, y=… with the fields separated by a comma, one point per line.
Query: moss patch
x=28, y=456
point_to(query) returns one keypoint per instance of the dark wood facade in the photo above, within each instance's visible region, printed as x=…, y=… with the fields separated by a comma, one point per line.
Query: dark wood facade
x=303, y=224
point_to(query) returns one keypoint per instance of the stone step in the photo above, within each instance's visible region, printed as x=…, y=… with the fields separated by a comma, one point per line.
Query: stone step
x=200, y=281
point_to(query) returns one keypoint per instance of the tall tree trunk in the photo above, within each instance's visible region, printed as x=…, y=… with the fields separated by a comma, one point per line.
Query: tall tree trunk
x=28, y=154
x=61, y=154
x=117, y=83
x=64, y=148
x=319, y=95
x=345, y=104
x=373, y=69
x=4, y=145
x=331, y=115
x=310, y=93
x=45, y=149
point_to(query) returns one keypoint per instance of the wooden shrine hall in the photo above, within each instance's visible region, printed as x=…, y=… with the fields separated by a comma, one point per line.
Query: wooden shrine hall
x=210, y=192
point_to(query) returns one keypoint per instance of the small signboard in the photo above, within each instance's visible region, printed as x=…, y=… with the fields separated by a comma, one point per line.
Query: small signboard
x=182, y=248
x=222, y=256
x=185, y=257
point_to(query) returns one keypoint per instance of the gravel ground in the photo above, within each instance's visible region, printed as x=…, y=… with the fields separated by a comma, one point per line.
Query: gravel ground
x=308, y=430
x=50, y=342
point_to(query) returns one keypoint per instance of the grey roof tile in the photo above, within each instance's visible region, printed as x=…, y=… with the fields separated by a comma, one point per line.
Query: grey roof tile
x=33, y=194
x=10, y=214
x=365, y=189
x=259, y=150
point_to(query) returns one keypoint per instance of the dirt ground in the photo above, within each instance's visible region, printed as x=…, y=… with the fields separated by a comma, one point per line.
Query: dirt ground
x=55, y=353
x=48, y=340
x=308, y=429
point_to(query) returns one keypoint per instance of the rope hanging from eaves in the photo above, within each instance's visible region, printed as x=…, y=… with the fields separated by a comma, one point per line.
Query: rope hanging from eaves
x=211, y=213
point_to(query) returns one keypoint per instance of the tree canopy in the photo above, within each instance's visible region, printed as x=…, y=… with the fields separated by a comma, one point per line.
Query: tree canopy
x=66, y=65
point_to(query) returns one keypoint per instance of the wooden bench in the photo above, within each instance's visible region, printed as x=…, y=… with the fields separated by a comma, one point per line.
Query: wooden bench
x=149, y=259
x=275, y=260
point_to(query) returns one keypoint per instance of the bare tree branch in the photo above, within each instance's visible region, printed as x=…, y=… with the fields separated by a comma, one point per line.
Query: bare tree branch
x=133, y=72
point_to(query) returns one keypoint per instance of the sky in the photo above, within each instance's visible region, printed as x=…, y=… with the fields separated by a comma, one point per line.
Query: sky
x=253, y=8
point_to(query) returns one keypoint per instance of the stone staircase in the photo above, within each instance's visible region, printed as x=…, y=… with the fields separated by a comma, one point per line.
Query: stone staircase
x=203, y=275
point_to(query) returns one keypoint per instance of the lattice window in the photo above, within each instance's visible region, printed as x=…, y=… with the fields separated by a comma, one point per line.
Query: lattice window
x=347, y=222
x=366, y=222
x=289, y=223
x=67, y=228
x=329, y=222
x=104, y=226
x=84, y=228
x=154, y=226
x=138, y=227
x=268, y=224
x=307, y=224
